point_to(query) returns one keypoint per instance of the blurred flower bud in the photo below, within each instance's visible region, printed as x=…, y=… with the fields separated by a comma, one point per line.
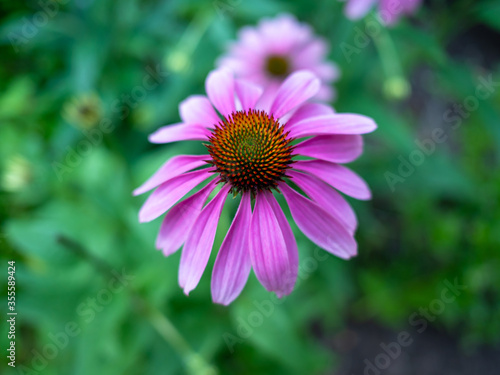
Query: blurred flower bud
x=83, y=111
x=396, y=88
x=16, y=175
x=178, y=61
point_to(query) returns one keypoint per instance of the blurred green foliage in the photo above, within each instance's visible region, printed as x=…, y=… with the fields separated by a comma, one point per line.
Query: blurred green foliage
x=75, y=111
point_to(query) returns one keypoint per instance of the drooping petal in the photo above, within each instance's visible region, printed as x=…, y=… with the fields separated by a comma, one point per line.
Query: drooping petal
x=248, y=93
x=339, y=123
x=327, y=198
x=319, y=226
x=233, y=265
x=338, y=176
x=338, y=148
x=179, y=132
x=291, y=244
x=197, y=109
x=168, y=193
x=179, y=220
x=172, y=168
x=268, y=248
x=198, y=246
x=219, y=86
x=309, y=110
x=295, y=90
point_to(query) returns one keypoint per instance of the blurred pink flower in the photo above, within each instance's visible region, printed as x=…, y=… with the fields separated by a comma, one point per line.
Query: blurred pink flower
x=267, y=54
x=389, y=10
x=250, y=153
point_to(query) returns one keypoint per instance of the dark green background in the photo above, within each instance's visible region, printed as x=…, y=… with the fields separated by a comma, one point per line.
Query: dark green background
x=72, y=230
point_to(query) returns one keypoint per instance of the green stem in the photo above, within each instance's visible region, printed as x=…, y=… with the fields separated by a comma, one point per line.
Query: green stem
x=396, y=85
x=195, y=364
x=180, y=58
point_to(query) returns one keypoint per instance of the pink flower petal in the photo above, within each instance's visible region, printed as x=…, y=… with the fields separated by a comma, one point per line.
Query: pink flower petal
x=295, y=90
x=326, y=94
x=266, y=100
x=338, y=148
x=339, y=123
x=327, y=198
x=220, y=90
x=179, y=220
x=327, y=71
x=388, y=12
x=307, y=111
x=268, y=250
x=248, y=93
x=356, y=9
x=172, y=168
x=168, y=193
x=197, y=109
x=311, y=55
x=233, y=265
x=291, y=244
x=319, y=226
x=249, y=37
x=180, y=132
x=198, y=246
x=281, y=34
x=338, y=176
x=411, y=5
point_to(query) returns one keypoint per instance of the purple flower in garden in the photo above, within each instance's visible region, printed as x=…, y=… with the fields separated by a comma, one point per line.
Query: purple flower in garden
x=389, y=10
x=253, y=154
x=267, y=54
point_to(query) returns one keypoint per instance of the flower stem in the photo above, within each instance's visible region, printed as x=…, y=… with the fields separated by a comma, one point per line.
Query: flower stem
x=396, y=85
x=195, y=363
x=179, y=59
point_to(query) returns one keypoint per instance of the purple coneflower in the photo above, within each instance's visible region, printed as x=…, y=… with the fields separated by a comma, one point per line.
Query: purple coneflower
x=267, y=54
x=253, y=154
x=389, y=10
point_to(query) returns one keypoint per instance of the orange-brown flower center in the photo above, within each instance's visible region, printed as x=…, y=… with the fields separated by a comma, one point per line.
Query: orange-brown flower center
x=250, y=151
